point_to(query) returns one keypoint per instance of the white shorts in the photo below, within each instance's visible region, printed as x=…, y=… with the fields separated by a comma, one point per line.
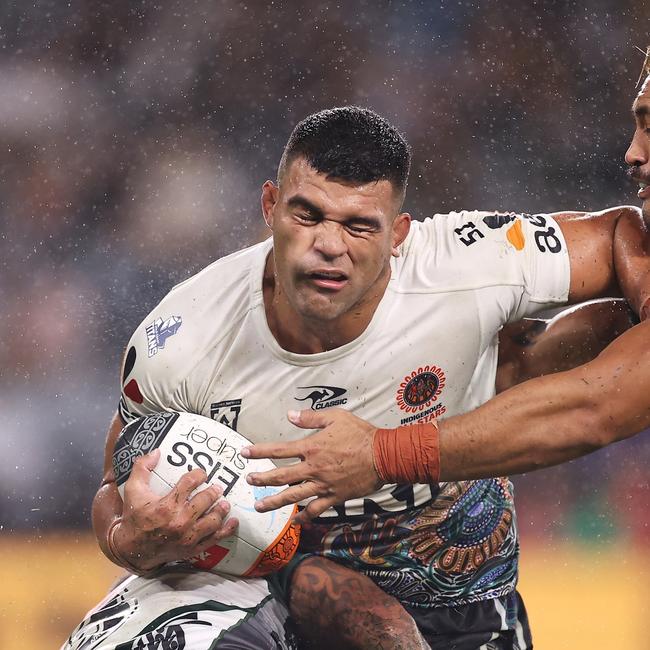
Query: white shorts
x=185, y=608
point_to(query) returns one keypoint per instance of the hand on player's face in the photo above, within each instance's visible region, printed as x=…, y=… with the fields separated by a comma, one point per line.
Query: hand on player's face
x=178, y=526
x=335, y=463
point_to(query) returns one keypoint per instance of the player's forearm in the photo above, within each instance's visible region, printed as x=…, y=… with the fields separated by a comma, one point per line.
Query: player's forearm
x=550, y=420
x=632, y=260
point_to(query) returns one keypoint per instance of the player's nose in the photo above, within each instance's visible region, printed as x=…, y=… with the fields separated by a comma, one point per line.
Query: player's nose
x=330, y=239
x=638, y=152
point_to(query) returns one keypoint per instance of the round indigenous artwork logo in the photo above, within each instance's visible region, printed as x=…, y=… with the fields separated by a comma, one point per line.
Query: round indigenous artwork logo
x=420, y=388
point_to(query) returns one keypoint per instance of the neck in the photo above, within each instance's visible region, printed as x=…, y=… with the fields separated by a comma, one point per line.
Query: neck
x=302, y=335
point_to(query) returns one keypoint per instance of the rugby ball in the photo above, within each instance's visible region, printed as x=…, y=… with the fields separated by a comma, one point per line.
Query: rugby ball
x=263, y=542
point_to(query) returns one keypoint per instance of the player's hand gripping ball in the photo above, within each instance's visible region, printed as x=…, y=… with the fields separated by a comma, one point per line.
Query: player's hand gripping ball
x=264, y=542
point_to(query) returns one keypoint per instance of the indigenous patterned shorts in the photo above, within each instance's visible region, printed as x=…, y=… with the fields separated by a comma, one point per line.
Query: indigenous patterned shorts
x=498, y=624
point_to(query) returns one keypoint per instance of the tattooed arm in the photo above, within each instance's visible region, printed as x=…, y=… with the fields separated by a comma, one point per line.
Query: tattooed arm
x=336, y=607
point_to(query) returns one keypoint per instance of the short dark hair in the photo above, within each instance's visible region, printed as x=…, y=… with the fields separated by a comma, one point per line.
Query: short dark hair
x=352, y=144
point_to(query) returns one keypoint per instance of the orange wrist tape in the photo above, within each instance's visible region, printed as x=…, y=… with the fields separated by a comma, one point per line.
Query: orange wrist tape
x=644, y=311
x=408, y=454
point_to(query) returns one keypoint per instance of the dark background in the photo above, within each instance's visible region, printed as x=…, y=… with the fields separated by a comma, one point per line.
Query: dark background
x=135, y=136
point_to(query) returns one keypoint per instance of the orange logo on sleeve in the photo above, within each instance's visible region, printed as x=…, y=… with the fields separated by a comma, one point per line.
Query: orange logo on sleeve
x=515, y=235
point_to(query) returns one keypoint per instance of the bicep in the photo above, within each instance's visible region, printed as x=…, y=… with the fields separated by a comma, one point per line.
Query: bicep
x=590, y=238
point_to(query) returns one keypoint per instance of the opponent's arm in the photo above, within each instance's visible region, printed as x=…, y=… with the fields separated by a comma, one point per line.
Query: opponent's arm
x=632, y=261
x=590, y=240
x=550, y=420
x=146, y=530
x=539, y=423
x=532, y=347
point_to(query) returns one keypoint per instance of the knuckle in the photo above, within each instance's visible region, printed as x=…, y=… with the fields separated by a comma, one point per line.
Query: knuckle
x=321, y=490
x=188, y=541
x=177, y=527
x=164, y=511
x=212, y=522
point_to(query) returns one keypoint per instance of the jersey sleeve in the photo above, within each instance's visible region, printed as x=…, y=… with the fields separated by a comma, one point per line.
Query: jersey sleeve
x=520, y=260
x=155, y=364
x=545, y=265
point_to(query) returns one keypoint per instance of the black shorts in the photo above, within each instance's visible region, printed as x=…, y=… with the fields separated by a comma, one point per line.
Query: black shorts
x=498, y=624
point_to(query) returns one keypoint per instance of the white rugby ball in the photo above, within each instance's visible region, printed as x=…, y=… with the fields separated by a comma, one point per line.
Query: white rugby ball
x=263, y=542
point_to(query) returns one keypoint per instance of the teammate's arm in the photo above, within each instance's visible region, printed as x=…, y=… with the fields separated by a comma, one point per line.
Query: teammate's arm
x=145, y=530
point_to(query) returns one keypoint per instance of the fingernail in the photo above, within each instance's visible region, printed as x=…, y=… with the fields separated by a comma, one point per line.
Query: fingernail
x=250, y=479
x=225, y=506
x=258, y=506
x=294, y=416
x=245, y=452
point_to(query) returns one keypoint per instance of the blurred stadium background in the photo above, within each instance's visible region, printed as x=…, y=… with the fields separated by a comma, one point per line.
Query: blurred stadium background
x=134, y=137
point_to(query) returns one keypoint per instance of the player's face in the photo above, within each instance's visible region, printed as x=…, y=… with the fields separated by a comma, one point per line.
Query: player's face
x=332, y=242
x=638, y=154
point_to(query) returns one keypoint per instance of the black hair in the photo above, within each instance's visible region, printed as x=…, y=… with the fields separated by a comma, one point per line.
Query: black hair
x=352, y=144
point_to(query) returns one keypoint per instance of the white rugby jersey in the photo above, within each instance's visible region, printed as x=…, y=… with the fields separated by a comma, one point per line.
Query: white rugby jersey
x=429, y=351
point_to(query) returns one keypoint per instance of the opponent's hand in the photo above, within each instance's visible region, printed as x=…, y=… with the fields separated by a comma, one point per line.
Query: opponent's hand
x=155, y=530
x=336, y=463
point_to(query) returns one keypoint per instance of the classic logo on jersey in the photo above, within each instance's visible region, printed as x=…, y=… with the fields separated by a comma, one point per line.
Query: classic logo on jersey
x=226, y=412
x=159, y=331
x=323, y=397
x=418, y=392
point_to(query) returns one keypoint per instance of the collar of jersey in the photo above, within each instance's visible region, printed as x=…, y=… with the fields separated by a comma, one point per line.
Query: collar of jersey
x=317, y=358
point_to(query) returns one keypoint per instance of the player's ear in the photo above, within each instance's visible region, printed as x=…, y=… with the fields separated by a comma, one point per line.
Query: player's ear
x=269, y=199
x=401, y=227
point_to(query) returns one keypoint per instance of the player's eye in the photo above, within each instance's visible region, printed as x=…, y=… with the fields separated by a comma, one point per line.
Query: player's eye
x=306, y=218
x=360, y=228
x=357, y=229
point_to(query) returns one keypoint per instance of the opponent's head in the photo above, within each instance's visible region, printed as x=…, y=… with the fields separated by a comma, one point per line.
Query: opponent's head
x=335, y=211
x=638, y=153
